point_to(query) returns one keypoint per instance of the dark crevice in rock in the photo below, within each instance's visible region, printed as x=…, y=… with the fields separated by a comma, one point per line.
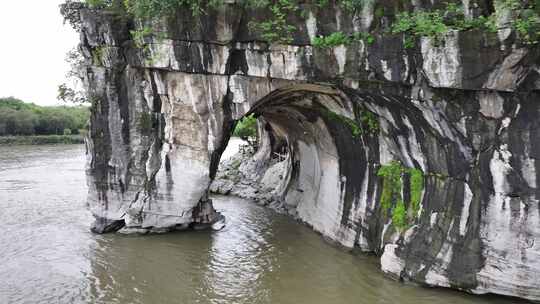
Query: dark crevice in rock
x=237, y=63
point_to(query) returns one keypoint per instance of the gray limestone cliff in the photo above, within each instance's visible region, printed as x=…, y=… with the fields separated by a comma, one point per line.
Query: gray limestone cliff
x=466, y=113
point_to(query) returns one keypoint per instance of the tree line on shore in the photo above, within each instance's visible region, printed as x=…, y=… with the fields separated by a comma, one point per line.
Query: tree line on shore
x=20, y=118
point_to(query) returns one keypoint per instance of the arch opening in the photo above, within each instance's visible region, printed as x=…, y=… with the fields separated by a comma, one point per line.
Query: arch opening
x=311, y=153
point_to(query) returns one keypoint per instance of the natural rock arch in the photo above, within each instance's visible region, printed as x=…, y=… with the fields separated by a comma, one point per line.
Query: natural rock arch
x=346, y=207
x=338, y=140
x=332, y=183
x=162, y=115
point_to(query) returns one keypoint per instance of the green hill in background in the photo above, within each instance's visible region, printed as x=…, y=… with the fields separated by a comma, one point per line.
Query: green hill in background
x=20, y=118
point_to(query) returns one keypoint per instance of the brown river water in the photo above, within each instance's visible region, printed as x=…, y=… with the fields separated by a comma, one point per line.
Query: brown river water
x=48, y=255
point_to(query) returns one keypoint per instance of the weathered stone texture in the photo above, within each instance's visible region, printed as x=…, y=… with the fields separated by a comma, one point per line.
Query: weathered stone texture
x=466, y=113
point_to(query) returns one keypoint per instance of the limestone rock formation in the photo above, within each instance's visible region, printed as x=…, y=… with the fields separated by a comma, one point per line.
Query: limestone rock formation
x=465, y=113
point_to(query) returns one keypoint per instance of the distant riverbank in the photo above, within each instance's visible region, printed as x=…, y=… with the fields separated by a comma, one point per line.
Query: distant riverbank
x=41, y=139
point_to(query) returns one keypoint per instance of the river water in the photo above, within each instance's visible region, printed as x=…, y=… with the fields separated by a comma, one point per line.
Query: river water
x=48, y=255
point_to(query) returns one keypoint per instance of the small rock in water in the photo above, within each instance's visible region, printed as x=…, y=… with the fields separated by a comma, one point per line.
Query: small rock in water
x=219, y=224
x=132, y=230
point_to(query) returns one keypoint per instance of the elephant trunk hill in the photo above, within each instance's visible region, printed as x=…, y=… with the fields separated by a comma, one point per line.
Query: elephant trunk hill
x=421, y=149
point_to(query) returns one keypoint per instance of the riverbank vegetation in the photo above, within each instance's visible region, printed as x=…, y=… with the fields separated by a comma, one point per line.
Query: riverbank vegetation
x=42, y=139
x=62, y=124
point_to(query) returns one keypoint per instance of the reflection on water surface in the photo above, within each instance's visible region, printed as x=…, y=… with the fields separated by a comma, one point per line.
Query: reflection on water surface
x=48, y=254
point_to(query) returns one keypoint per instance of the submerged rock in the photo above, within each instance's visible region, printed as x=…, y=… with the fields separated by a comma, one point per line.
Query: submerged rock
x=426, y=157
x=103, y=225
x=219, y=224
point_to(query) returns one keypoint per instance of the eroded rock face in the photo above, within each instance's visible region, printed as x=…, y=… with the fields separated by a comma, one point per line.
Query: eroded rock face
x=465, y=113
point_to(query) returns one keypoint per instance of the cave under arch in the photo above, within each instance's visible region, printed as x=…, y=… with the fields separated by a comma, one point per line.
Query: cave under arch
x=337, y=140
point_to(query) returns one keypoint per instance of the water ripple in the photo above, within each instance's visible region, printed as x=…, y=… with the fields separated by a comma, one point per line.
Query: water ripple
x=49, y=256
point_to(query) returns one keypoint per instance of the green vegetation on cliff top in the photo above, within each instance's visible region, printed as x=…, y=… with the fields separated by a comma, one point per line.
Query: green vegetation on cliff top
x=523, y=17
x=438, y=22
